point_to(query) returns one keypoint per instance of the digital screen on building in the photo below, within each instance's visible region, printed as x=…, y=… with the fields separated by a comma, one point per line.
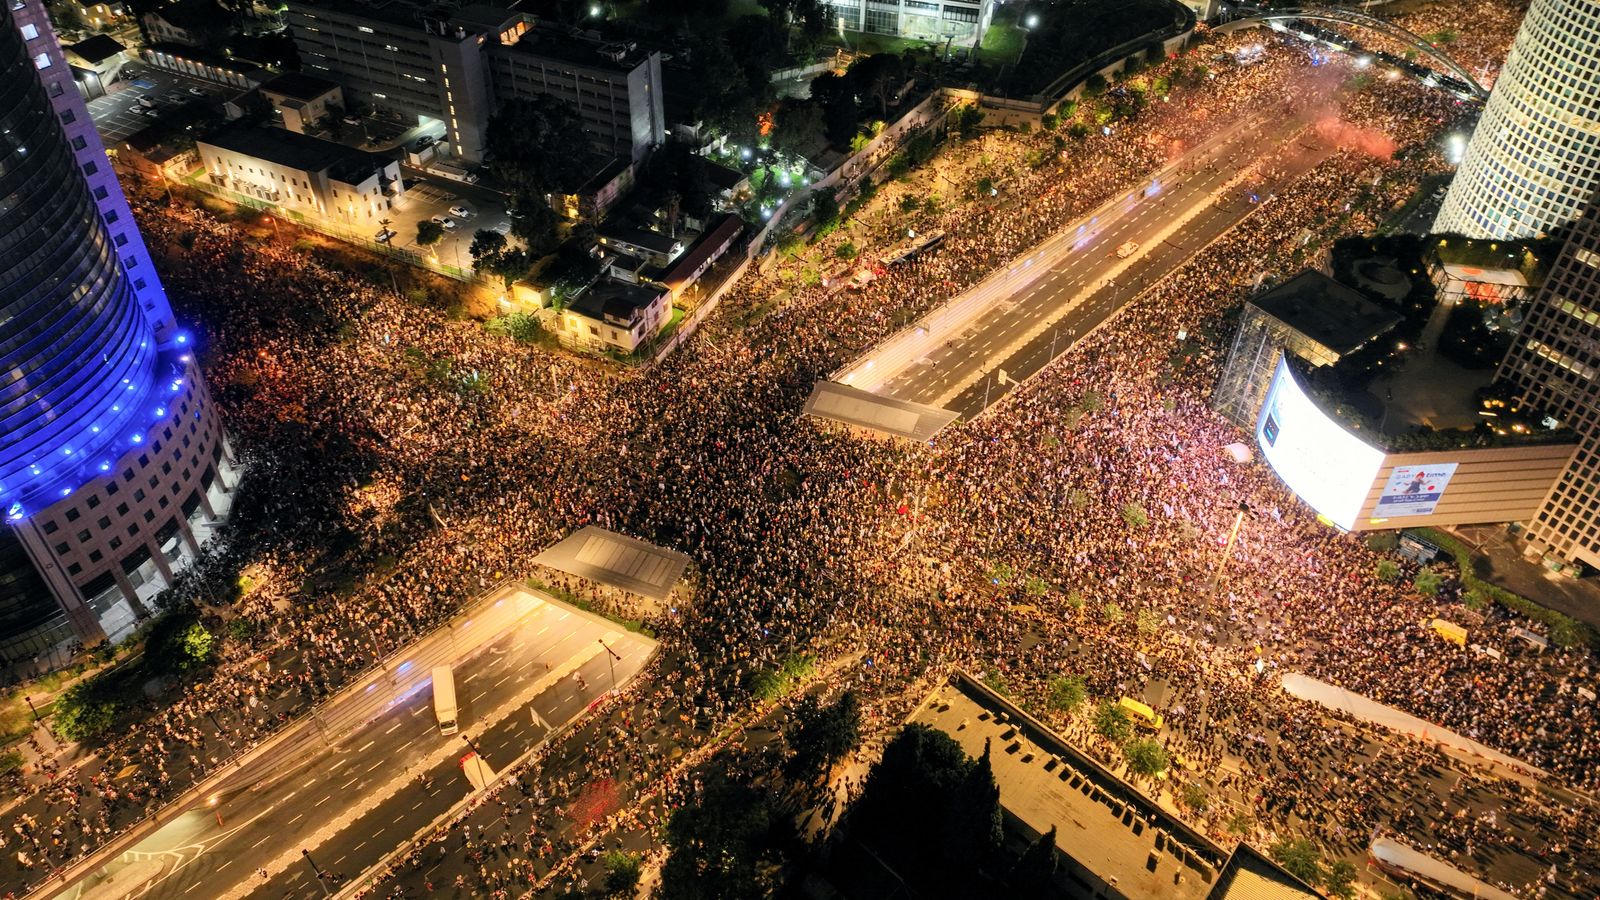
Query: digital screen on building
x=1326, y=466
x=1414, y=490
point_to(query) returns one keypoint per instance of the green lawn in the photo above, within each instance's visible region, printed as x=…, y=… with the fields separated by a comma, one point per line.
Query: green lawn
x=1002, y=45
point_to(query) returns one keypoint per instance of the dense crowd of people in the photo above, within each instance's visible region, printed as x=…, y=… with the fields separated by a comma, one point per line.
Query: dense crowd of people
x=400, y=461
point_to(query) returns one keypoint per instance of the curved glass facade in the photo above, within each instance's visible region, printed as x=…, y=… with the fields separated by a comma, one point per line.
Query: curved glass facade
x=1534, y=159
x=77, y=356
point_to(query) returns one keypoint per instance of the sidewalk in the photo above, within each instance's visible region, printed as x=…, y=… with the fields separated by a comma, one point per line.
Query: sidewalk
x=1500, y=563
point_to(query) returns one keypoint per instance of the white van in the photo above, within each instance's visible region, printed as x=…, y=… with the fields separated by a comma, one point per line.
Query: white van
x=444, y=699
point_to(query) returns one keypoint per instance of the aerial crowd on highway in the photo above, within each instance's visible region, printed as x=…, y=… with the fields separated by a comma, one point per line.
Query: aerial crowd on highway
x=429, y=459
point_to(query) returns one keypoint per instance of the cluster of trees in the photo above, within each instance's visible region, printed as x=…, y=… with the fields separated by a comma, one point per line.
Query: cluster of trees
x=841, y=101
x=819, y=736
x=1072, y=32
x=176, y=644
x=722, y=845
x=1304, y=861
x=931, y=814
x=532, y=142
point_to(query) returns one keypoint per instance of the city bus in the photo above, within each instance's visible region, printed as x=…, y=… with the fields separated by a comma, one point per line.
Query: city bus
x=444, y=699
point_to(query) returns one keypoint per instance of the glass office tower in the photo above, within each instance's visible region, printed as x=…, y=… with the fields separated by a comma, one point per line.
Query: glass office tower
x=1534, y=158
x=110, y=453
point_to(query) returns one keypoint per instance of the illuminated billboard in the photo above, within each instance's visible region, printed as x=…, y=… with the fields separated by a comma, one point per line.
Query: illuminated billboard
x=1329, y=468
x=1414, y=490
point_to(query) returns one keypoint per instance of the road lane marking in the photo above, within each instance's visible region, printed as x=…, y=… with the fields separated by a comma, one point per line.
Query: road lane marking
x=367, y=746
x=297, y=818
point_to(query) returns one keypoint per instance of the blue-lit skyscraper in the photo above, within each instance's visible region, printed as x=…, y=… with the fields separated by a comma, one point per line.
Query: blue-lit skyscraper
x=110, y=454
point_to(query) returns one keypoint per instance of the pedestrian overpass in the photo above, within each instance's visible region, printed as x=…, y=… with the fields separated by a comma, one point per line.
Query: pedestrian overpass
x=1251, y=16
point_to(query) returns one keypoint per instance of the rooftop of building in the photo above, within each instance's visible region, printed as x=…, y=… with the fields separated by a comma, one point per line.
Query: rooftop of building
x=195, y=14
x=1251, y=875
x=719, y=231
x=638, y=237
x=614, y=301
x=1322, y=309
x=300, y=86
x=414, y=16
x=96, y=49
x=580, y=47
x=1105, y=824
x=299, y=151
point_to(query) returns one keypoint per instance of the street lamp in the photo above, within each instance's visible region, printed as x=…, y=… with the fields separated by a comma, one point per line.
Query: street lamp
x=1227, y=549
x=321, y=878
x=611, y=663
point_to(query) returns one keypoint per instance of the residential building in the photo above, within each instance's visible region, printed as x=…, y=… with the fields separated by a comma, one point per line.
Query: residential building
x=960, y=21
x=96, y=62
x=595, y=198
x=1555, y=364
x=613, y=87
x=112, y=458
x=655, y=248
x=303, y=100
x=331, y=182
x=207, y=66
x=615, y=316
x=721, y=234
x=457, y=66
x=1534, y=157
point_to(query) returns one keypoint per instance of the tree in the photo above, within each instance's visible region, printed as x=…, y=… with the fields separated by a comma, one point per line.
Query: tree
x=717, y=844
x=81, y=712
x=799, y=127
x=820, y=736
x=972, y=821
x=622, y=872
x=876, y=77
x=1427, y=583
x=1145, y=757
x=840, y=113
x=486, y=246
x=535, y=224
x=1341, y=879
x=825, y=210
x=1387, y=570
x=1300, y=857
x=1112, y=723
x=429, y=233
x=1033, y=877
x=532, y=139
x=1067, y=693
x=845, y=251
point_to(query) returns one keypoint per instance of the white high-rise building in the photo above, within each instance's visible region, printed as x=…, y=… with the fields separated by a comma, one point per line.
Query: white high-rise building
x=1534, y=159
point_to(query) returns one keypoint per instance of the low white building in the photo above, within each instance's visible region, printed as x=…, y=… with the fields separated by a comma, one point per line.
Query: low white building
x=615, y=315
x=330, y=182
x=303, y=100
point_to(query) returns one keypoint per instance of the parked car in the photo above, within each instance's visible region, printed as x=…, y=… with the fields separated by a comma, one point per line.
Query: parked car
x=136, y=109
x=351, y=120
x=197, y=92
x=460, y=212
x=445, y=222
x=423, y=143
x=383, y=236
x=147, y=100
x=1127, y=249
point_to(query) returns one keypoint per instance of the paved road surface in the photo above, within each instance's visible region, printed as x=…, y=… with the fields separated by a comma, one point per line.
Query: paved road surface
x=353, y=802
x=1088, y=282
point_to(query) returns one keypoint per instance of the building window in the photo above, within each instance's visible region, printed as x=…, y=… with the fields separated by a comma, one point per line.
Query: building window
x=29, y=31
x=90, y=169
x=83, y=536
x=51, y=527
x=74, y=569
x=68, y=117
x=100, y=193
x=78, y=143
x=42, y=61
x=95, y=556
x=62, y=549
x=72, y=515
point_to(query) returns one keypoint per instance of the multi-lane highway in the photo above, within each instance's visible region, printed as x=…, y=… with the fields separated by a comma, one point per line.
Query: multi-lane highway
x=1042, y=303
x=350, y=797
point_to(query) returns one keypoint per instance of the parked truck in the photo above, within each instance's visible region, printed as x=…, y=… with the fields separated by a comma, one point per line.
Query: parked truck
x=444, y=699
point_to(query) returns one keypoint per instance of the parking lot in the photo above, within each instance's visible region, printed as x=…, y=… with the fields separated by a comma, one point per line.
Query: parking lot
x=115, y=118
x=428, y=196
